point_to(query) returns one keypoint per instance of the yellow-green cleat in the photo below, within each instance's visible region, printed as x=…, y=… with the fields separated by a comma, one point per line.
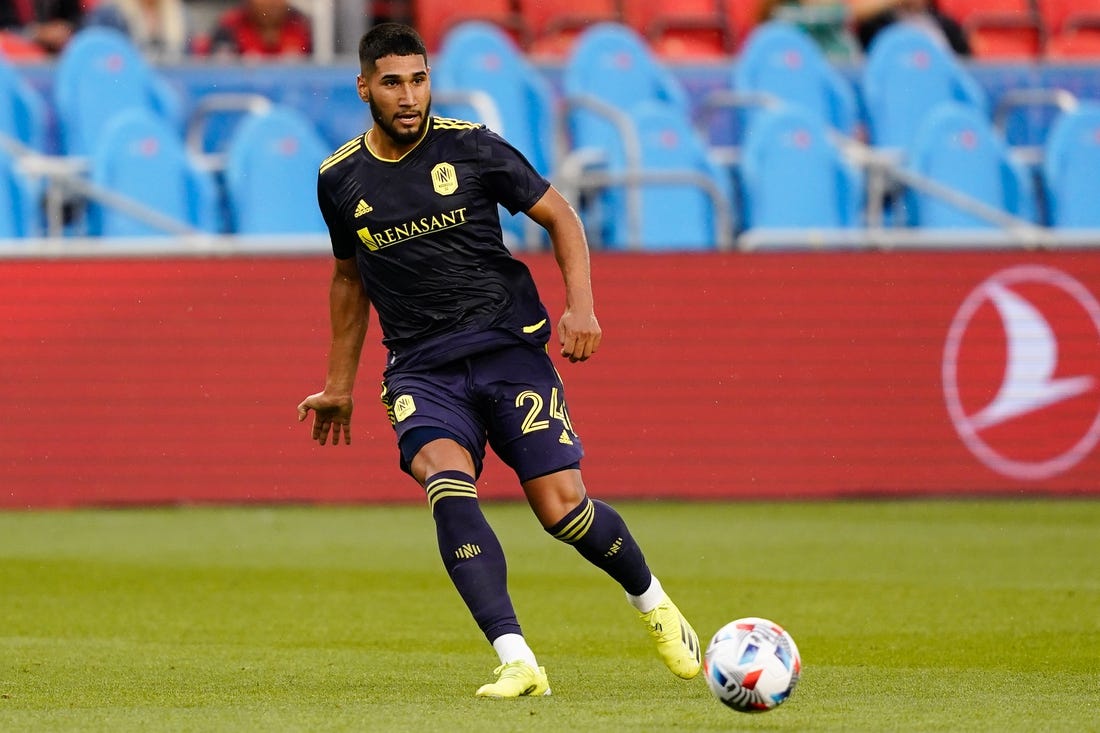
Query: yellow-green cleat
x=677, y=642
x=516, y=679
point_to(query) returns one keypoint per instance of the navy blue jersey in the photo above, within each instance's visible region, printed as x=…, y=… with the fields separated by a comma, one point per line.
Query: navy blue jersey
x=425, y=230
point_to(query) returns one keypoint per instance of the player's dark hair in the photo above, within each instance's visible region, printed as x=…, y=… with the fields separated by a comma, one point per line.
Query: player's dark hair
x=389, y=39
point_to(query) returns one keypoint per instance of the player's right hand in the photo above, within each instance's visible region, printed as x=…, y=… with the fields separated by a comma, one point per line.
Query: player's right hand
x=331, y=415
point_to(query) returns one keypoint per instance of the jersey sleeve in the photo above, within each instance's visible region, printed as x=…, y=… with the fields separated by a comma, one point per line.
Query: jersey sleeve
x=343, y=240
x=509, y=177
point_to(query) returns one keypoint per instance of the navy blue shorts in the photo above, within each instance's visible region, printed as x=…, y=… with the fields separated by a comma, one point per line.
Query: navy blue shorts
x=511, y=398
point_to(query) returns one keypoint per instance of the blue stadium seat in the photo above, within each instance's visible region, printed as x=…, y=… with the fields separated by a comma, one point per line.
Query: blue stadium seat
x=794, y=177
x=271, y=174
x=18, y=202
x=142, y=158
x=675, y=214
x=611, y=64
x=781, y=60
x=101, y=73
x=22, y=109
x=480, y=57
x=608, y=72
x=957, y=147
x=1071, y=162
x=906, y=74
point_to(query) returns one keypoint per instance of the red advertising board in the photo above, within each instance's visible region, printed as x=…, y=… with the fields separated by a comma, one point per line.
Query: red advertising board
x=721, y=375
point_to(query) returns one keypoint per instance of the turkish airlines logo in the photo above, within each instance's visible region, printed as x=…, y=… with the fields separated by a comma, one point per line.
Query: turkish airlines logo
x=1021, y=372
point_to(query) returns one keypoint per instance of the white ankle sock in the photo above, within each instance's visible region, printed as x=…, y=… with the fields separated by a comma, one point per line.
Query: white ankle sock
x=512, y=647
x=647, y=601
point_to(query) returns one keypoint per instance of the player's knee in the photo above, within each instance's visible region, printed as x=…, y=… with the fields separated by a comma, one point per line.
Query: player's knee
x=551, y=516
x=555, y=496
x=440, y=454
x=572, y=524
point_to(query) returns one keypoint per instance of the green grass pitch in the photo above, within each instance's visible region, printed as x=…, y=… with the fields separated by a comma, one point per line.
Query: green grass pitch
x=910, y=615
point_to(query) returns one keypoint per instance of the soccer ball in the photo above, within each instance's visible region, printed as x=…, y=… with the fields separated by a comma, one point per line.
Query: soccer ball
x=752, y=665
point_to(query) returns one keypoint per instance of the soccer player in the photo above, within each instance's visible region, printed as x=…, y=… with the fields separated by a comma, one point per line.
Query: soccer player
x=411, y=207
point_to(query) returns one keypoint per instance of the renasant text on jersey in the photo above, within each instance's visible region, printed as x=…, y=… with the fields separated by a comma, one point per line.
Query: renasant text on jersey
x=412, y=229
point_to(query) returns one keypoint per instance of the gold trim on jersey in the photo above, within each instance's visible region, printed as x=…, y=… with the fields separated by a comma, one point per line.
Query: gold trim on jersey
x=376, y=156
x=449, y=123
x=436, y=123
x=341, y=153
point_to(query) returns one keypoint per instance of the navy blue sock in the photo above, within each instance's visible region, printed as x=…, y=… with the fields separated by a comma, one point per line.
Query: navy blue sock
x=471, y=552
x=601, y=537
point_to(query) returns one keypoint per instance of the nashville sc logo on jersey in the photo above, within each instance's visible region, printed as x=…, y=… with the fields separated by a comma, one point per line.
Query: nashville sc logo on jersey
x=444, y=179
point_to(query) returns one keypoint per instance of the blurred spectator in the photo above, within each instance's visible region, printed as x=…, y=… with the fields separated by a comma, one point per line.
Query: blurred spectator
x=262, y=28
x=389, y=11
x=826, y=21
x=160, y=28
x=46, y=24
x=874, y=15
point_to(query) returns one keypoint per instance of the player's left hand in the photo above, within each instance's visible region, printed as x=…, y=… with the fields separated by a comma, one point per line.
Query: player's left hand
x=579, y=335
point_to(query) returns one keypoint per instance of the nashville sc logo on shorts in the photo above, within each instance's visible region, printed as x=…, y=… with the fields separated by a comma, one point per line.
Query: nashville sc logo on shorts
x=403, y=406
x=399, y=409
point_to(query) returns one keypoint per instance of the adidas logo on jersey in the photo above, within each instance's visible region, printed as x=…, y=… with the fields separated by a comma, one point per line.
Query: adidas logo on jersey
x=564, y=438
x=363, y=208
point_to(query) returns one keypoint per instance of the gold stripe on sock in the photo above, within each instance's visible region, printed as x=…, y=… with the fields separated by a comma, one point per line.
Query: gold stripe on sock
x=445, y=487
x=580, y=525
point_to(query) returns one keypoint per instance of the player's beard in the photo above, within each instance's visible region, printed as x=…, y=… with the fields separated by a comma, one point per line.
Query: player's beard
x=399, y=136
